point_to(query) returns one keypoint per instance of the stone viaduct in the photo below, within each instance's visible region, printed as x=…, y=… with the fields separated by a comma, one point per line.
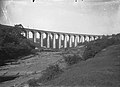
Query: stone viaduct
x=64, y=40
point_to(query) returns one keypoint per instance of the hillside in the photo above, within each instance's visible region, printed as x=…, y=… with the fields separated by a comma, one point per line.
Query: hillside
x=101, y=71
x=94, y=63
x=13, y=45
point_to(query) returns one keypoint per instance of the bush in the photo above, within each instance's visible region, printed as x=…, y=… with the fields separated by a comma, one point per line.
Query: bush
x=72, y=59
x=90, y=51
x=51, y=72
x=92, y=48
x=13, y=44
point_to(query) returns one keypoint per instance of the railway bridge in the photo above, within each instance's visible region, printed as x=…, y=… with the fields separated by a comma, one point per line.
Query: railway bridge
x=50, y=39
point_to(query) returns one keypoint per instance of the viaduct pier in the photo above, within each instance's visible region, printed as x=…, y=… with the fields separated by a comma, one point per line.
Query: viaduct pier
x=63, y=40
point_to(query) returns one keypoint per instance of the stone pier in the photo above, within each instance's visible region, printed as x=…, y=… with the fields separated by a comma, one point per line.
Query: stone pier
x=54, y=39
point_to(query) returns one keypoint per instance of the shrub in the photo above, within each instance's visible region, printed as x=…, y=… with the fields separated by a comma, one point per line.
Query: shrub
x=90, y=51
x=92, y=48
x=13, y=44
x=51, y=72
x=72, y=59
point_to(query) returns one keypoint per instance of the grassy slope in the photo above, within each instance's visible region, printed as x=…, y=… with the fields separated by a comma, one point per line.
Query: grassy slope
x=101, y=71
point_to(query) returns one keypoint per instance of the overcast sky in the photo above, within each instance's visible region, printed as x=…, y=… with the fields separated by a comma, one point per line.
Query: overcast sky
x=86, y=17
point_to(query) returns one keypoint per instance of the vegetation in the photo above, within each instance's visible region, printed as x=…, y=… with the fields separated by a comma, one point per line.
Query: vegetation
x=72, y=59
x=13, y=44
x=92, y=48
x=51, y=72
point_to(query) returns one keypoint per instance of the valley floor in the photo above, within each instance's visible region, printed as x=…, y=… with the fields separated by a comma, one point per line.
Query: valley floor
x=27, y=68
x=101, y=71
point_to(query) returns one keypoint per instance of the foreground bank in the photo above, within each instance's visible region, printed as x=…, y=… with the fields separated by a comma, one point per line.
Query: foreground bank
x=101, y=71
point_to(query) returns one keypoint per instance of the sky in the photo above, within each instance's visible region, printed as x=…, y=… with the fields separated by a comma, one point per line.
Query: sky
x=82, y=17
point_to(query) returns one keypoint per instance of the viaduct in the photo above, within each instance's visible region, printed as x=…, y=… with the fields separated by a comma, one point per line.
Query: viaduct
x=64, y=40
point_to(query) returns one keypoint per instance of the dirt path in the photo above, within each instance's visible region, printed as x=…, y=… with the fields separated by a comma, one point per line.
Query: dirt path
x=101, y=71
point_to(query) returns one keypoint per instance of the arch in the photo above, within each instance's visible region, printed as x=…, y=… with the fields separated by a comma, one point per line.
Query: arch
x=92, y=38
x=65, y=40
x=27, y=34
x=30, y=35
x=57, y=40
x=75, y=40
x=70, y=40
x=34, y=36
x=41, y=38
x=48, y=39
x=37, y=37
x=54, y=40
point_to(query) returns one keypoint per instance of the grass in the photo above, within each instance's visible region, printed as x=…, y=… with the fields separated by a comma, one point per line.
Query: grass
x=72, y=59
x=96, y=46
x=92, y=48
x=51, y=72
x=102, y=71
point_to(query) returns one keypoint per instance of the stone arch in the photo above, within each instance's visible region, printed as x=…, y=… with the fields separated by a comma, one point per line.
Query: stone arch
x=37, y=37
x=30, y=35
x=91, y=39
x=54, y=40
x=57, y=40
